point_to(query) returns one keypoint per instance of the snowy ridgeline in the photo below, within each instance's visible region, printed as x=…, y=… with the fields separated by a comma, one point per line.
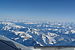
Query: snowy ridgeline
x=44, y=34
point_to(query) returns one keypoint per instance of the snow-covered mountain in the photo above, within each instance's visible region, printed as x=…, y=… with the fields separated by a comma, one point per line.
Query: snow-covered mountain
x=41, y=34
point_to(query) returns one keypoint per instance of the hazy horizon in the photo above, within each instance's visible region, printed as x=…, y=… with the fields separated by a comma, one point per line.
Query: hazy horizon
x=38, y=10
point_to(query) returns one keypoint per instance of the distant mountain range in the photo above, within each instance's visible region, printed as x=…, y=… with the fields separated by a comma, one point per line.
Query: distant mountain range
x=39, y=34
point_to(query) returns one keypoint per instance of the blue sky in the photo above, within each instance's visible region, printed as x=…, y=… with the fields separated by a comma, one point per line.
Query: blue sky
x=38, y=10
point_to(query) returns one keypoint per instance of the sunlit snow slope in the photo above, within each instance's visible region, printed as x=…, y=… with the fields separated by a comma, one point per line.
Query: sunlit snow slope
x=41, y=34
